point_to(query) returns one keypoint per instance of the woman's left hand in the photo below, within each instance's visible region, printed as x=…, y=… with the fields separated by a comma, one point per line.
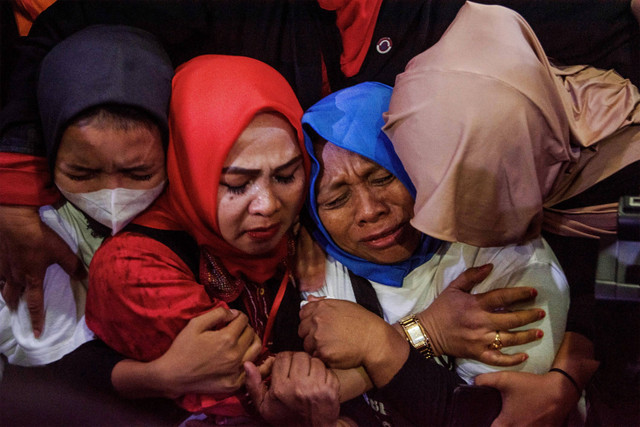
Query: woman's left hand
x=530, y=399
x=461, y=324
x=302, y=391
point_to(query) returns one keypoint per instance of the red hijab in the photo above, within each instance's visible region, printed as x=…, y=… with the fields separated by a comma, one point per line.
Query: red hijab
x=214, y=99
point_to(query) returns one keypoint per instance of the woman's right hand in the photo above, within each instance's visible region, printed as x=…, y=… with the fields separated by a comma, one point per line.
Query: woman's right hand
x=345, y=335
x=302, y=391
x=461, y=324
x=207, y=356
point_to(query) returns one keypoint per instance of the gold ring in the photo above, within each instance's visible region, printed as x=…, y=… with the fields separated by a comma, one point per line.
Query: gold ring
x=497, y=342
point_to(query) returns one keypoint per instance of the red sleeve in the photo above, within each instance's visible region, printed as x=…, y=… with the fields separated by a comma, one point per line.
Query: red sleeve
x=26, y=180
x=356, y=20
x=141, y=295
x=26, y=11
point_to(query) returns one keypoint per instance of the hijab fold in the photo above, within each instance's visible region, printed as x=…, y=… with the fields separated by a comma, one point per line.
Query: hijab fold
x=492, y=134
x=214, y=99
x=352, y=119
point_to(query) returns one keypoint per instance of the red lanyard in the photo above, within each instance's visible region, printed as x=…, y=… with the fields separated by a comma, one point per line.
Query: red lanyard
x=274, y=310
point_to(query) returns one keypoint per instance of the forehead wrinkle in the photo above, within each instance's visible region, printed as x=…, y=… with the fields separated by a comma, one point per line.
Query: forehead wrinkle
x=238, y=170
x=76, y=167
x=285, y=165
x=235, y=170
x=137, y=162
x=360, y=166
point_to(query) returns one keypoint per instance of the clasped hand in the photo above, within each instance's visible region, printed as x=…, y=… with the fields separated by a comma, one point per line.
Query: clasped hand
x=459, y=324
x=301, y=392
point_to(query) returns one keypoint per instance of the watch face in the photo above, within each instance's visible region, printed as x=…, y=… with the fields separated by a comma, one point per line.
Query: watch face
x=416, y=336
x=414, y=331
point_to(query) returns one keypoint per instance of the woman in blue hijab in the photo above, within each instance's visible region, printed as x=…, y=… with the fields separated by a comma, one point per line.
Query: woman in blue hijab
x=351, y=119
x=360, y=205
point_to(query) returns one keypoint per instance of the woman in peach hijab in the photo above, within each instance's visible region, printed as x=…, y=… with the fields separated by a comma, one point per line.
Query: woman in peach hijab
x=501, y=145
x=518, y=134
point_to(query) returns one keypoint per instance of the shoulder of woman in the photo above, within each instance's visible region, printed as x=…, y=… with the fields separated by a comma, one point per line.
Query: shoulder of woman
x=531, y=259
x=509, y=257
x=129, y=256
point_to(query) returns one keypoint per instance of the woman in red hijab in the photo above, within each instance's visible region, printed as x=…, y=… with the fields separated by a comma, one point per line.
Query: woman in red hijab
x=219, y=235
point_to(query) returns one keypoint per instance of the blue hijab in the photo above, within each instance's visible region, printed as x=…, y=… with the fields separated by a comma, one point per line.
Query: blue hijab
x=352, y=119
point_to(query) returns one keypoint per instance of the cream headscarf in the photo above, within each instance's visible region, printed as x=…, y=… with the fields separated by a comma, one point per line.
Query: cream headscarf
x=490, y=133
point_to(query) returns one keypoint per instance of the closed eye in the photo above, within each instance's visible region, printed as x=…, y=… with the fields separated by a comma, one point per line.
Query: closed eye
x=236, y=189
x=136, y=177
x=337, y=202
x=84, y=177
x=287, y=179
x=383, y=180
x=286, y=174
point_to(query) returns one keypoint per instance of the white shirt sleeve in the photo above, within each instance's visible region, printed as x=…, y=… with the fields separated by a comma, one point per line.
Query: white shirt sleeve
x=64, y=326
x=337, y=284
x=534, y=265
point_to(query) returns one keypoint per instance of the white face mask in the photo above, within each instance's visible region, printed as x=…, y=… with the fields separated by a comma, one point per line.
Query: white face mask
x=114, y=208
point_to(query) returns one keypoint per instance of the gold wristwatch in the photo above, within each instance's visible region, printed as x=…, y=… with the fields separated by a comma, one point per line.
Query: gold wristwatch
x=416, y=335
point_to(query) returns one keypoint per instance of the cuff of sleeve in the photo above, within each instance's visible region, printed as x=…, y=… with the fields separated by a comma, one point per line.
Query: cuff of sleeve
x=25, y=180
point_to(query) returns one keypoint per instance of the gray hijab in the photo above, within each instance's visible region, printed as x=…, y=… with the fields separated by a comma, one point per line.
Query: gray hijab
x=102, y=65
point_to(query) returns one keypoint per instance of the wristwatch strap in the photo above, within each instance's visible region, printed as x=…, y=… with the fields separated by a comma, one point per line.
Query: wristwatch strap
x=417, y=335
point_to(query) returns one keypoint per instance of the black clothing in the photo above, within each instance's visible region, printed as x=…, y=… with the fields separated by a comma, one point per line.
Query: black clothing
x=294, y=36
x=423, y=392
x=77, y=390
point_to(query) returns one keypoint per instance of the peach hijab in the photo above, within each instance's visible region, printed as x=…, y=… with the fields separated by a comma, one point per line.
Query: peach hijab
x=492, y=135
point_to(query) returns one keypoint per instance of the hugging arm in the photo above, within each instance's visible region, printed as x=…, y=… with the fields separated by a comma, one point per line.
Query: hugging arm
x=346, y=335
x=141, y=296
x=28, y=247
x=461, y=324
x=327, y=345
x=197, y=362
x=191, y=365
x=547, y=398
